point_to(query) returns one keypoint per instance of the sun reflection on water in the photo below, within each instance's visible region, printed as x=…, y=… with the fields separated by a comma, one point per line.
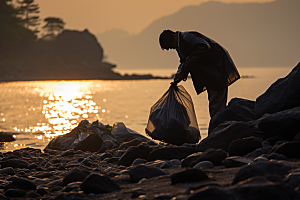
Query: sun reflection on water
x=64, y=108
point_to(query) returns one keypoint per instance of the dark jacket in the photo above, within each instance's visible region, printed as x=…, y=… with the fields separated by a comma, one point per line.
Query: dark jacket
x=209, y=64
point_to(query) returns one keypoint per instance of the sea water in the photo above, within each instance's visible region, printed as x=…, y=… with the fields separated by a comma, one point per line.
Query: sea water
x=37, y=111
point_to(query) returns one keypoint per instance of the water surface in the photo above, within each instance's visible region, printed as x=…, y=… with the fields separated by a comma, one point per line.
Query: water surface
x=37, y=111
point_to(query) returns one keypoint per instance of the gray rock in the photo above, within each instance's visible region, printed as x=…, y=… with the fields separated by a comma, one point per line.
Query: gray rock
x=74, y=175
x=282, y=95
x=236, y=161
x=95, y=183
x=204, y=165
x=212, y=193
x=15, y=193
x=119, y=153
x=69, y=152
x=139, y=161
x=132, y=143
x=237, y=110
x=141, y=151
x=241, y=147
x=257, y=152
x=188, y=175
x=171, y=163
x=14, y=163
x=21, y=183
x=284, y=124
x=6, y=137
x=288, y=149
x=163, y=196
x=222, y=139
x=276, y=156
x=142, y=171
x=213, y=155
x=7, y=170
x=107, y=145
x=261, y=169
x=170, y=153
x=261, y=159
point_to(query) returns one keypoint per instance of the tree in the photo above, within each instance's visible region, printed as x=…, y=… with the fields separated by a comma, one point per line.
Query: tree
x=53, y=27
x=27, y=11
x=14, y=37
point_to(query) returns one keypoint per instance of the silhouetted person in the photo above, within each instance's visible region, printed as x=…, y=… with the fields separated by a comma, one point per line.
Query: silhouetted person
x=209, y=64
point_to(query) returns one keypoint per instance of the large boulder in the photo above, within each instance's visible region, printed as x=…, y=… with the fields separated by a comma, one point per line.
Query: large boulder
x=222, y=138
x=281, y=95
x=244, y=146
x=213, y=155
x=284, y=123
x=237, y=110
x=261, y=169
x=141, y=151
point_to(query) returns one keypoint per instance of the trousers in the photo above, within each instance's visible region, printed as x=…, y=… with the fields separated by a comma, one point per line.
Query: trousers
x=217, y=100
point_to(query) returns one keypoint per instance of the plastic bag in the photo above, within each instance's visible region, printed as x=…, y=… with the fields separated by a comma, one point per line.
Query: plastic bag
x=172, y=118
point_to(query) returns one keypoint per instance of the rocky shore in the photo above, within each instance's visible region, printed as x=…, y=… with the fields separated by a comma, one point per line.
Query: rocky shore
x=252, y=152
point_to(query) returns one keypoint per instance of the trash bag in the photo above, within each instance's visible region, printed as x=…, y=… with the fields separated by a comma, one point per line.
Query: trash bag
x=172, y=118
x=127, y=134
x=85, y=137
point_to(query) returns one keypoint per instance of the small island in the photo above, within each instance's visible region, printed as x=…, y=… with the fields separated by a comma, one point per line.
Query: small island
x=52, y=54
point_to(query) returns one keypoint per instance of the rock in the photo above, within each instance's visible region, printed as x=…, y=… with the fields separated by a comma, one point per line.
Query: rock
x=297, y=137
x=170, y=153
x=222, y=139
x=107, y=145
x=212, y=193
x=284, y=124
x=139, y=161
x=142, y=171
x=21, y=183
x=6, y=137
x=213, y=155
x=14, y=163
x=241, y=147
x=131, y=143
x=33, y=195
x=282, y=95
x=261, y=159
x=74, y=175
x=257, y=152
x=237, y=110
x=15, y=193
x=272, y=140
x=163, y=196
x=7, y=170
x=91, y=143
x=69, y=152
x=141, y=151
x=171, y=163
x=261, y=169
x=293, y=182
x=275, y=156
x=70, y=196
x=188, y=175
x=119, y=153
x=42, y=191
x=288, y=149
x=204, y=165
x=236, y=161
x=96, y=184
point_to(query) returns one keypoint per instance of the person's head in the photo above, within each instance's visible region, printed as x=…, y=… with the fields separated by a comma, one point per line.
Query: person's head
x=168, y=40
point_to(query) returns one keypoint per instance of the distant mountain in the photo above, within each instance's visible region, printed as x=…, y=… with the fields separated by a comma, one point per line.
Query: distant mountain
x=255, y=34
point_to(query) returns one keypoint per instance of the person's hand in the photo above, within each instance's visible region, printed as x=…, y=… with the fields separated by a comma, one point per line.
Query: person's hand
x=180, y=76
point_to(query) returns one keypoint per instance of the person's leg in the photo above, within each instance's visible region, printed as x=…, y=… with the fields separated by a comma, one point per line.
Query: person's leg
x=217, y=100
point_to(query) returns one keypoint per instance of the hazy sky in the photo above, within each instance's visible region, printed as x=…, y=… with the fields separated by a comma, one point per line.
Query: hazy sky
x=103, y=15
